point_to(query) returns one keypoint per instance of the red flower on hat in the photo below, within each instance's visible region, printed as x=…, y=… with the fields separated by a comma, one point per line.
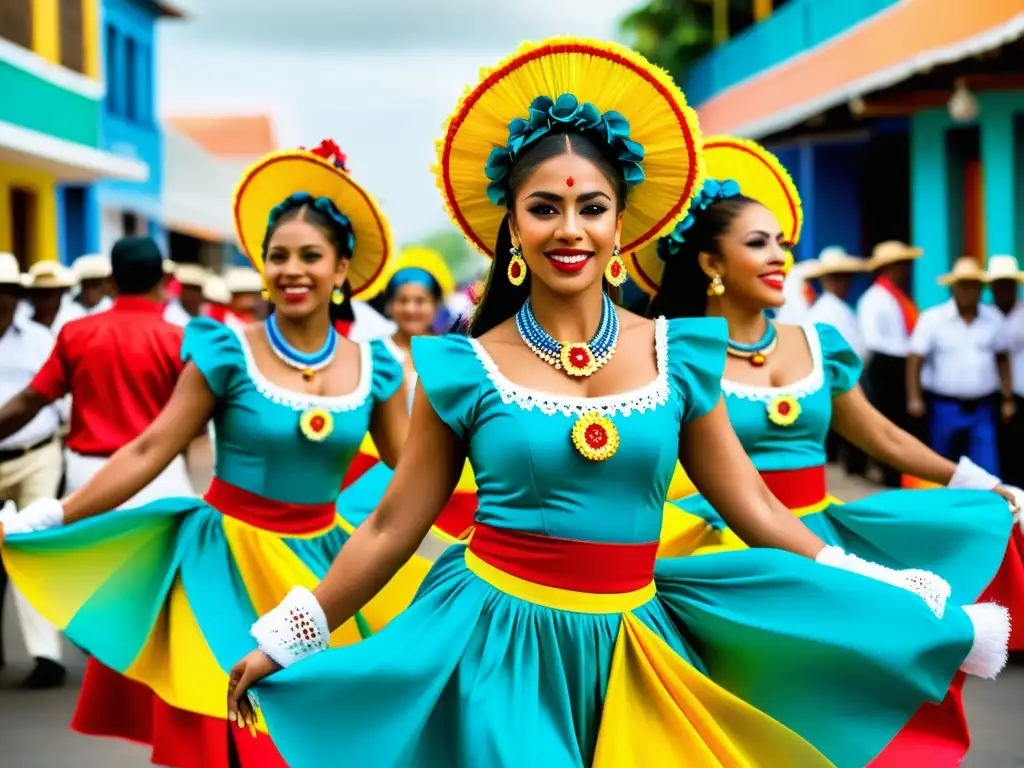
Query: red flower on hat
x=328, y=150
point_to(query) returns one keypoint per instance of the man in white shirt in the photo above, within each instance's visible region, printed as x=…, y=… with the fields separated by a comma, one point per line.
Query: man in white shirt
x=189, y=303
x=30, y=460
x=95, y=286
x=886, y=316
x=964, y=341
x=835, y=269
x=47, y=301
x=1005, y=278
x=246, y=288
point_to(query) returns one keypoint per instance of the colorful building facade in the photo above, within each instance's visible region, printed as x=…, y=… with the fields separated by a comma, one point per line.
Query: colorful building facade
x=51, y=97
x=898, y=119
x=128, y=127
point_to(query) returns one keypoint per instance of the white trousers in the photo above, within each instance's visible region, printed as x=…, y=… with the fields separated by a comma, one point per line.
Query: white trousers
x=24, y=480
x=42, y=639
x=173, y=481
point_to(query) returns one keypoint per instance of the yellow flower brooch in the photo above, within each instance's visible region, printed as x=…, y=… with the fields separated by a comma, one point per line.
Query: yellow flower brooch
x=784, y=410
x=595, y=437
x=316, y=424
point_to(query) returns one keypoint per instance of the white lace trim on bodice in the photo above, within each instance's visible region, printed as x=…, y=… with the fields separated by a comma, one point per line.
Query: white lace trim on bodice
x=639, y=400
x=808, y=385
x=301, y=401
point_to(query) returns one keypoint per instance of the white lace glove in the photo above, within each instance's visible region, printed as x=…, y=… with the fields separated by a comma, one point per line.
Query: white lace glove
x=38, y=516
x=934, y=590
x=969, y=475
x=297, y=628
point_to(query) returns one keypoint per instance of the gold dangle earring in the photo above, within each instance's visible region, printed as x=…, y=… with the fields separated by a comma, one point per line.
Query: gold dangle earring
x=516, y=266
x=615, y=272
x=337, y=296
x=717, y=287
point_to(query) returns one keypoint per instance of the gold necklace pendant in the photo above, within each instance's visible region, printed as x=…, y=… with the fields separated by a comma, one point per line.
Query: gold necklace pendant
x=758, y=358
x=308, y=374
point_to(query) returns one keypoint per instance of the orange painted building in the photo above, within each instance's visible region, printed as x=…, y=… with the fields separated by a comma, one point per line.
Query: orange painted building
x=898, y=118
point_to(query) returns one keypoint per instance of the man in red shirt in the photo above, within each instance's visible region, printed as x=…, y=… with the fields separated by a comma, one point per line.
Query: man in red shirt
x=120, y=368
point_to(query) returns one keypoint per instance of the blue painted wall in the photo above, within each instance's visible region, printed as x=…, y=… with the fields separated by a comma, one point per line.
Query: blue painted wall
x=797, y=26
x=937, y=190
x=128, y=123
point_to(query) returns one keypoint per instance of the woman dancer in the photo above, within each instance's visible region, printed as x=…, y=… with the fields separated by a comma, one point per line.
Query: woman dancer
x=162, y=595
x=731, y=249
x=553, y=638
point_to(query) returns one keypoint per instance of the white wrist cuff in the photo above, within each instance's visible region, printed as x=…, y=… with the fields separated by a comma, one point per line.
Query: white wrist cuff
x=37, y=516
x=969, y=475
x=297, y=628
x=933, y=589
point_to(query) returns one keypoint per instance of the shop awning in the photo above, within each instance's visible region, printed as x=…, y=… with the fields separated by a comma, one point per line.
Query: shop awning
x=66, y=160
x=911, y=37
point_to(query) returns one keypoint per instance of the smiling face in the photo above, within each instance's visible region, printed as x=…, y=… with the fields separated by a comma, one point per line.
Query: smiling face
x=751, y=258
x=567, y=223
x=302, y=268
x=413, y=308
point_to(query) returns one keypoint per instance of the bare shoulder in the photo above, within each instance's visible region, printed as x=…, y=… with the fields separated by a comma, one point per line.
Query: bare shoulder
x=500, y=335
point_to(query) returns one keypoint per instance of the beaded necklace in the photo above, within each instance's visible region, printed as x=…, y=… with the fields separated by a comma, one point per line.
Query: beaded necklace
x=576, y=358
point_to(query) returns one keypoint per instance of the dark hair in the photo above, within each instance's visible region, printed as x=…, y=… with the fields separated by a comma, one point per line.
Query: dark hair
x=684, y=285
x=343, y=311
x=136, y=265
x=321, y=213
x=501, y=299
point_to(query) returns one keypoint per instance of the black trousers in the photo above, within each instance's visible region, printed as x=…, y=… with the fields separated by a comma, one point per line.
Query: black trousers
x=1010, y=440
x=885, y=383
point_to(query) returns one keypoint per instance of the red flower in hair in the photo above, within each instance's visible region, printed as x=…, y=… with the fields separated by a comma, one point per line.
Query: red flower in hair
x=328, y=150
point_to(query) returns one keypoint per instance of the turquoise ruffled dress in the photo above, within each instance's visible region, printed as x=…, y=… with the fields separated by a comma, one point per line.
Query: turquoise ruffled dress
x=748, y=658
x=958, y=534
x=162, y=596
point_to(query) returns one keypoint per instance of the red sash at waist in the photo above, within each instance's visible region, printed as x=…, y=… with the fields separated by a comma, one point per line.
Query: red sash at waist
x=580, y=566
x=267, y=514
x=797, y=488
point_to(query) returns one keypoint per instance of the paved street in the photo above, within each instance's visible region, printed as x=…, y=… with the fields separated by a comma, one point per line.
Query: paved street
x=34, y=729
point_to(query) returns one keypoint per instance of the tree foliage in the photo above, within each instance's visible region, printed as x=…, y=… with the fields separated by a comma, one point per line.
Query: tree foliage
x=671, y=33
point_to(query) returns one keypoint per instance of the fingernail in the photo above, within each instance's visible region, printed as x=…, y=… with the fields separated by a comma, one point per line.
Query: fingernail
x=231, y=716
x=241, y=722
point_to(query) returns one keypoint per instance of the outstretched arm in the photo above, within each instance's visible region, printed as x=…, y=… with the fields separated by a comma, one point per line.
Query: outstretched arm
x=424, y=480
x=860, y=423
x=137, y=464
x=720, y=469
x=20, y=410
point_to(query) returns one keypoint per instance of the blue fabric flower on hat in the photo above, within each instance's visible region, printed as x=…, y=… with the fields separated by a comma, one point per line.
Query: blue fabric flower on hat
x=564, y=114
x=712, y=192
x=322, y=204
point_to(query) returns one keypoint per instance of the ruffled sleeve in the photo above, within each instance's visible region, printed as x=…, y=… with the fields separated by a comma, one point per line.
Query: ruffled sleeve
x=216, y=352
x=451, y=377
x=387, y=372
x=696, y=349
x=842, y=365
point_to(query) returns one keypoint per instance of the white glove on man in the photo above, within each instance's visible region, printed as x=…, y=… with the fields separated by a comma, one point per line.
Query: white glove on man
x=38, y=516
x=933, y=589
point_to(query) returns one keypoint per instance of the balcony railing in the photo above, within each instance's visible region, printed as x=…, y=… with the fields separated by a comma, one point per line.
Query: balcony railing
x=797, y=26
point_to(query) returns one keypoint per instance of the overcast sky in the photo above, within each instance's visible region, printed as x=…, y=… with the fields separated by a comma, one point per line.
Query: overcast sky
x=379, y=76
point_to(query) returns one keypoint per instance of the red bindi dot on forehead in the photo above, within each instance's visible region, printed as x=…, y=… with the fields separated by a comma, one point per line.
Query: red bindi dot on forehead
x=570, y=181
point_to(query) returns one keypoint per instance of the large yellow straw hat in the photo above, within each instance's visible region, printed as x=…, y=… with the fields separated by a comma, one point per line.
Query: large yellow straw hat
x=760, y=176
x=611, y=78
x=416, y=257
x=320, y=172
